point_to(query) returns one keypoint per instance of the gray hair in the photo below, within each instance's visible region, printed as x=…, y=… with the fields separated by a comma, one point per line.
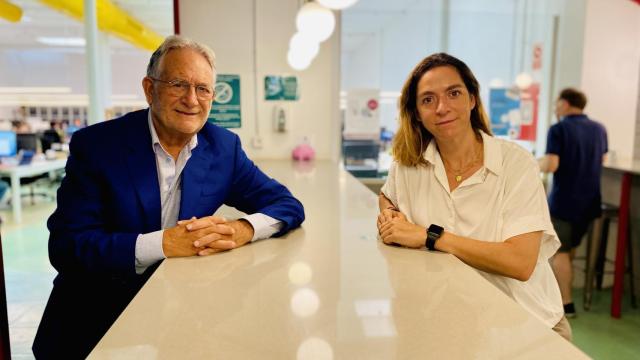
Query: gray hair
x=178, y=42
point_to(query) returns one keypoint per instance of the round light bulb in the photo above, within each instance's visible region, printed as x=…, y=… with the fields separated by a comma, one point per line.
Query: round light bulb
x=304, y=45
x=297, y=61
x=337, y=4
x=315, y=21
x=496, y=83
x=523, y=81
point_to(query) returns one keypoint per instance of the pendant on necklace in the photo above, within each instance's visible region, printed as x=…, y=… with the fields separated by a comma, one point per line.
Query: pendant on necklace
x=458, y=178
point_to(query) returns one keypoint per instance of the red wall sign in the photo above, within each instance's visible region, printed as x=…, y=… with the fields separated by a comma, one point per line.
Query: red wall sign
x=536, y=64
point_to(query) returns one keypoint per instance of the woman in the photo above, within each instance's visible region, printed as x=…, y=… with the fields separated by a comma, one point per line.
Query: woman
x=456, y=189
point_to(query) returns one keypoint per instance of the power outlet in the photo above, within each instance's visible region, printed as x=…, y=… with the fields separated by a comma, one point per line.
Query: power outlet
x=256, y=142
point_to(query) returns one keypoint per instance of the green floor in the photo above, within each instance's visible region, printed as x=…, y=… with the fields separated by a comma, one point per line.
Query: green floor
x=29, y=275
x=602, y=337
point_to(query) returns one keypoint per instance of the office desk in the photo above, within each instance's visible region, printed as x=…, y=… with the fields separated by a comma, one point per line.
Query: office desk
x=329, y=290
x=20, y=171
x=628, y=169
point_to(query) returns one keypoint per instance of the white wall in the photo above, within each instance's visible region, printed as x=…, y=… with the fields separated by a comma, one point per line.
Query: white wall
x=227, y=26
x=362, y=69
x=611, y=71
x=484, y=37
x=384, y=59
x=611, y=79
x=570, y=45
x=407, y=40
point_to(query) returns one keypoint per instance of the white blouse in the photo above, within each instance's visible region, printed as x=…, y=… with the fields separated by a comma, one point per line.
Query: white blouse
x=504, y=198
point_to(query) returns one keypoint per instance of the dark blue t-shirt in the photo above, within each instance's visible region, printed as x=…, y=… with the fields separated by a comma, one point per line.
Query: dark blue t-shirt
x=580, y=143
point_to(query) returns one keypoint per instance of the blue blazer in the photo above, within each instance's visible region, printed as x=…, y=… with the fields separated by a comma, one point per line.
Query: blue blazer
x=109, y=196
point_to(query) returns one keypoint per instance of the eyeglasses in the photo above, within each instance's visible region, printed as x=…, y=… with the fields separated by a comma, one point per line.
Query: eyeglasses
x=179, y=88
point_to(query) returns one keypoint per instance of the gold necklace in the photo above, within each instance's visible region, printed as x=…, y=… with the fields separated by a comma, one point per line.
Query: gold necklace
x=459, y=173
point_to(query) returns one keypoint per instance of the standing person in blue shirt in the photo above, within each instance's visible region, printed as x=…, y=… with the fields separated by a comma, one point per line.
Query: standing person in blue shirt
x=576, y=148
x=75, y=126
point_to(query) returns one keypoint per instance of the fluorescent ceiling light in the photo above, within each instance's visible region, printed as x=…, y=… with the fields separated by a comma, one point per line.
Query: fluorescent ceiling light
x=34, y=90
x=62, y=41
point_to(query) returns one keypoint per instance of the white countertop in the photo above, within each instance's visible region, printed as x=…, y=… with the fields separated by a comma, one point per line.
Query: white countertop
x=623, y=164
x=329, y=290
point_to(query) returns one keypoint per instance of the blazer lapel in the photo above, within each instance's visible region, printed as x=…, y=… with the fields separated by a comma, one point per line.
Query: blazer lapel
x=193, y=177
x=141, y=163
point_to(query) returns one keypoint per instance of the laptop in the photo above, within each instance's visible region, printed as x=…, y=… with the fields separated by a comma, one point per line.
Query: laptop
x=26, y=156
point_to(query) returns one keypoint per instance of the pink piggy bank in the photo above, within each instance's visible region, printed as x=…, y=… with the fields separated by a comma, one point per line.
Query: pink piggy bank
x=303, y=152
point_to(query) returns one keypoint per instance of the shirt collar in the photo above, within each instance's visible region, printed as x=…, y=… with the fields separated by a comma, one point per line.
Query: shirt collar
x=492, y=153
x=573, y=116
x=156, y=140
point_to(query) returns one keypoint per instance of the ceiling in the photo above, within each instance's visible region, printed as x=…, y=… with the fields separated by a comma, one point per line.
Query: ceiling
x=367, y=18
x=359, y=22
x=39, y=20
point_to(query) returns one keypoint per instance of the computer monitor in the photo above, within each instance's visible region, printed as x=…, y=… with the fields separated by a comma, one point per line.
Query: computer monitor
x=28, y=141
x=8, y=145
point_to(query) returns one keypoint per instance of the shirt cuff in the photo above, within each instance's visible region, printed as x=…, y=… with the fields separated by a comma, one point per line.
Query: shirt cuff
x=263, y=226
x=148, y=250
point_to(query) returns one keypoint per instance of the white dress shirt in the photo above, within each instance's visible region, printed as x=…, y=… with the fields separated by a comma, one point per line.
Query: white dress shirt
x=504, y=198
x=149, y=246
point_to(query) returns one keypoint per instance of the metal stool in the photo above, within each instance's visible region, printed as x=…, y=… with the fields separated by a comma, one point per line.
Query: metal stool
x=595, y=262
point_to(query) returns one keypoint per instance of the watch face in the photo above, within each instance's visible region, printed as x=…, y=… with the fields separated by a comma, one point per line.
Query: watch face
x=435, y=229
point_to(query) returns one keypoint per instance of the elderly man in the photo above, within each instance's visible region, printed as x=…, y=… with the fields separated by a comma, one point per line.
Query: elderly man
x=128, y=182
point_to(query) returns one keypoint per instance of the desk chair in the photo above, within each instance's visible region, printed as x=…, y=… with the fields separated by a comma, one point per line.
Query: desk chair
x=47, y=138
x=28, y=142
x=30, y=183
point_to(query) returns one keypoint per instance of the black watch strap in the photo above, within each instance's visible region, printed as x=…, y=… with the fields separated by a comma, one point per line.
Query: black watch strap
x=433, y=234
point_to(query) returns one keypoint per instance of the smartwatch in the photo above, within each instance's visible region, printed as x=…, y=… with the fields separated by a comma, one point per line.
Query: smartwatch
x=433, y=234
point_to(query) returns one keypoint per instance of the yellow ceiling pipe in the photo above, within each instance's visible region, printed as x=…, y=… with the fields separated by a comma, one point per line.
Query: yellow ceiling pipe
x=10, y=11
x=113, y=20
x=128, y=27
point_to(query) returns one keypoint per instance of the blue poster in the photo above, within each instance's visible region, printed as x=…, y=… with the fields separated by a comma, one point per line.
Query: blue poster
x=504, y=111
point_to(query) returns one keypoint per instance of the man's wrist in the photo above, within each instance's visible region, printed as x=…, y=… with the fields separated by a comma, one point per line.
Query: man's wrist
x=149, y=250
x=243, y=231
x=167, y=241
